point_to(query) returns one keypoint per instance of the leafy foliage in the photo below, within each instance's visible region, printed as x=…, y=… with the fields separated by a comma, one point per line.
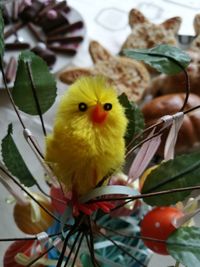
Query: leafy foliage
x=164, y=58
x=183, y=171
x=14, y=161
x=134, y=116
x=43, y=82
x=184, y=246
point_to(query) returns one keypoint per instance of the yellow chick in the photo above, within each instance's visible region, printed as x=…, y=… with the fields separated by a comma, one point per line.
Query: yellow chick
x=87, y=142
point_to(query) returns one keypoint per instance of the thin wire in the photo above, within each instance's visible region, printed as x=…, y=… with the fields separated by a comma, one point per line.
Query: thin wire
x=133, y=236
x=40, y=256
x=92, y=242
x=36, y=97
x=94, y=261
x=72, y=248
x=156, y=134
x=77, y=250
x=62, y=254
x=175, y=177
x=25, y=238
x=15, y=108
x=147, y=195
x=47, y=195
x=10, y=96
x=144, y=238
x=69, y=234
x=28, y=193
x=122, y=249
x=143, y=132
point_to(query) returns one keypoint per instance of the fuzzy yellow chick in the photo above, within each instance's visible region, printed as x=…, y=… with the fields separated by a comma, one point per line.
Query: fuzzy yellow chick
x=87, y=142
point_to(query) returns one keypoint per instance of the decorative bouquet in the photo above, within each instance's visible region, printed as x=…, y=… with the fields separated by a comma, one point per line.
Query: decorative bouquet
x=110, y=200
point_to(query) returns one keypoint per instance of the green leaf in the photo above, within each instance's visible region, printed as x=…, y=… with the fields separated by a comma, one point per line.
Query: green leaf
x=184, y=246
x=183, y=171
x=14, y=161
x=86, y=260
x=1, y=34
x=134, y=116
x=164, y=58
x=44, y=83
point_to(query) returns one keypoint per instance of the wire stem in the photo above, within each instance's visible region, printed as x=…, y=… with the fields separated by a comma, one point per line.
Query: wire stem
x=25, y=238
x=77, y=250
x=122, y=249
x=34, y=91
x=72, y=248
x=158, y=123
x=30, y=195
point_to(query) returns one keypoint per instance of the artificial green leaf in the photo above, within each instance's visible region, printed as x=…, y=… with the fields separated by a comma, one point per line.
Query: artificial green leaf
x=134, y=116
x=164, y=58
x=86, y=260
x=183, y=171
x=44, y=83
x=184, y=246
x=14, y=161
x=1, y=35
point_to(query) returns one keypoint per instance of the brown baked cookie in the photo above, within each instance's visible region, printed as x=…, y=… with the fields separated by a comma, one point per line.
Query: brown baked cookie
x=164, y=84
x=128, y=75
x=189, y=134
x=146, y=34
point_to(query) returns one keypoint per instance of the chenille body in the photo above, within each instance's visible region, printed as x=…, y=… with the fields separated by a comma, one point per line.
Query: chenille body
x=87, y=141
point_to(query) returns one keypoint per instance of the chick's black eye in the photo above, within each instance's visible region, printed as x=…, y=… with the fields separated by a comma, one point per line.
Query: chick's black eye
x=82, y=106
x=107, y=106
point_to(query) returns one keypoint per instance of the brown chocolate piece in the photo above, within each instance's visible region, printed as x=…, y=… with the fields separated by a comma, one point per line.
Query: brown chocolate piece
x=49, y=25
x=29, y=13
x=55, y=6
x=66, y=40
x=13, y=29
x=11, y=70
x=60, y=5
x=45, y=9
x=62, y=49
x=16, y=46
x=35, y=32
x=45, y=54
x=67, y=28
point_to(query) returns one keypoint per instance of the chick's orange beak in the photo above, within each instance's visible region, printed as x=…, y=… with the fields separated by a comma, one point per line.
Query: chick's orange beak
x=98, y=114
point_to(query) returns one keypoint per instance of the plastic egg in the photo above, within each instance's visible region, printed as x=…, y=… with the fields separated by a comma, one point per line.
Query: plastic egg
x=158, y=224
x=29, y=224
x=17, y=247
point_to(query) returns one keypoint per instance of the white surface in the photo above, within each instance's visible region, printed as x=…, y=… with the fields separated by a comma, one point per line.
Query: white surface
x=107, y=22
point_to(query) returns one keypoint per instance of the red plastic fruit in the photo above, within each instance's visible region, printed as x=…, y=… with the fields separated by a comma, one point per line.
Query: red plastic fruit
x=158, y=224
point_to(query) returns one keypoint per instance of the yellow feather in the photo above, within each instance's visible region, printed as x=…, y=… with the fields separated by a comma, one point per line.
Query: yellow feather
x=80, y=151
